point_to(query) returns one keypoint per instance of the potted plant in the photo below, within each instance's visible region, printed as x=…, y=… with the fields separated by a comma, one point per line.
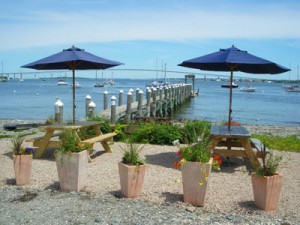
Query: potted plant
x=196, y=162
x=131, y=171
x=71, y=161
x=22, y=159
x=266, y=182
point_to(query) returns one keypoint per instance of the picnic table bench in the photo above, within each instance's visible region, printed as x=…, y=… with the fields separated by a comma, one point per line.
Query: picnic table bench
x=50, y=140
x=235, y=142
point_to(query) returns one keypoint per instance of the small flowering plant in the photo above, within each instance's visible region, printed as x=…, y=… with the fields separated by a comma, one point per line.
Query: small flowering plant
x=17, y=149
x=198, y=152
x=189, y=154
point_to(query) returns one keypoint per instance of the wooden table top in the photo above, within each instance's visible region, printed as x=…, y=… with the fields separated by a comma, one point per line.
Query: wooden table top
x=64, y=126
x=234, y=131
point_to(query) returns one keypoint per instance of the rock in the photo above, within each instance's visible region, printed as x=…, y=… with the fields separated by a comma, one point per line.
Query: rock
x=191, y=209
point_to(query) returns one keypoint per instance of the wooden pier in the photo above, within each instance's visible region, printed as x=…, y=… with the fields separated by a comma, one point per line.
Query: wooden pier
x=159, y=102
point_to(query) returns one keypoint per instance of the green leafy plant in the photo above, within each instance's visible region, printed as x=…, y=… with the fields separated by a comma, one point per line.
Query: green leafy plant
x=70, y=142
x=131, y=154
x=156, y=133
x=119, y=130
x=16, y=146
x=50, y=120
x=191, y=130
x=199, y=151
x=105, y=123
x=270, y=163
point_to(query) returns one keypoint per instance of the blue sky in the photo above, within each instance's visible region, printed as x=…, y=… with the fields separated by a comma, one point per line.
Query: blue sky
x=149, y=34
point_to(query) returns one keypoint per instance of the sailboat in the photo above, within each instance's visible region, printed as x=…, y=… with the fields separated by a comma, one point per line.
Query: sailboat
x=159, y=83
x=294, y=88
x=99, y=84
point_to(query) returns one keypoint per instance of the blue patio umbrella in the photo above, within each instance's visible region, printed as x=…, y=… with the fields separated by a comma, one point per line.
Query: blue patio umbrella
x=234, y=59
x=72, y=59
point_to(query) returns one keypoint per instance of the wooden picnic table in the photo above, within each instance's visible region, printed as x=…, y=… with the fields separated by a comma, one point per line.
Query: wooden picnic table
x=54, y=130
x=234, y=142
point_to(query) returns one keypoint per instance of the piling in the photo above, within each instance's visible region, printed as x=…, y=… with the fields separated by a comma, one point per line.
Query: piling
x=140, y=103
x=105, y=101
x=88, y=100
x=128, y=109
x=59, y=111
x=148, y=97
x=137, y=94
x=121, y=92
x=92, y=109
x=113, y=110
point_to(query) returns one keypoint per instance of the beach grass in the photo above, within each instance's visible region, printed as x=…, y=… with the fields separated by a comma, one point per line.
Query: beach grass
x=289, y=143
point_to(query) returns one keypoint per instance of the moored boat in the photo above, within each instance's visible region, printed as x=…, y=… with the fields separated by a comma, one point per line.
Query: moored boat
x=295, y=88
x=77, y=84
x=247, y=89
x=62, y=82
x=99, y=85
x=227, y=85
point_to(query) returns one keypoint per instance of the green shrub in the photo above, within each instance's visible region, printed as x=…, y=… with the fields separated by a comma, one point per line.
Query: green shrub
x=119, y=130
x=157, y=133
x=104, y=126
x=191, y=131
x=88, y=132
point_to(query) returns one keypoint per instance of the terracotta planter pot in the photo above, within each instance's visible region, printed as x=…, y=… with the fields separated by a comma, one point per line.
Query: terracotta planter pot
x=131, y=179
x=266, y=191
x=71, y=170
x=22, y=167
x=195, y=176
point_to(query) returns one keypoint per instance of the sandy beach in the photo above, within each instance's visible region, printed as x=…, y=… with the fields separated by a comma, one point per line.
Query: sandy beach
x=229, y=192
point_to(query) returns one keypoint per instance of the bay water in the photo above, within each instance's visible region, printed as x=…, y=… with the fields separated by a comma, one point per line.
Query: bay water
x=269, y=105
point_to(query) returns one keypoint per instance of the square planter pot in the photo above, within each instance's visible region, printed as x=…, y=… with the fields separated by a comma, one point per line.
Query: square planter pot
x=22, y=167
x=266, y=191
x=131, y=179
x=71, y=170
x=195, y=176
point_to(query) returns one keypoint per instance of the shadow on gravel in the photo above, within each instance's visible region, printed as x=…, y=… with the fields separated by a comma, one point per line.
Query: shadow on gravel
x=165, y=159
x=172, y=197
x=10, y=182
x=53, y=187
x=116, y=194
x=28, y=196
x=48, y=154
x=96, y=154
x=249, y=205
x=230, y=164
x=8, y=154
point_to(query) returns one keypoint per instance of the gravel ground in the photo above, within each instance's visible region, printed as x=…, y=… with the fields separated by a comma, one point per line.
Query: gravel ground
x=229, y=198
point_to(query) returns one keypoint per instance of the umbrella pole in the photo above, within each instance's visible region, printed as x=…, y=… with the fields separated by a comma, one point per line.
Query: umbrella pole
x=230, y=96
x=73, y=92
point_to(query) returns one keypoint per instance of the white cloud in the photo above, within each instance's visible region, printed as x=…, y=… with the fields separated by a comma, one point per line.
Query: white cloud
x=41, y=28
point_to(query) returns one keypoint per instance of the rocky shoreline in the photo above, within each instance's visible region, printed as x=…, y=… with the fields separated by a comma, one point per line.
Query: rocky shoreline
x=229, y=199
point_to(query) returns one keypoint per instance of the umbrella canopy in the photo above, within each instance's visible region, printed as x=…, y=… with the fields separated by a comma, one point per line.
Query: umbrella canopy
x=234, y=59
x=72, y=59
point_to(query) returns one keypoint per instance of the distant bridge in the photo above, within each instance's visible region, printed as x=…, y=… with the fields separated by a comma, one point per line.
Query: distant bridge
x=57, y=73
